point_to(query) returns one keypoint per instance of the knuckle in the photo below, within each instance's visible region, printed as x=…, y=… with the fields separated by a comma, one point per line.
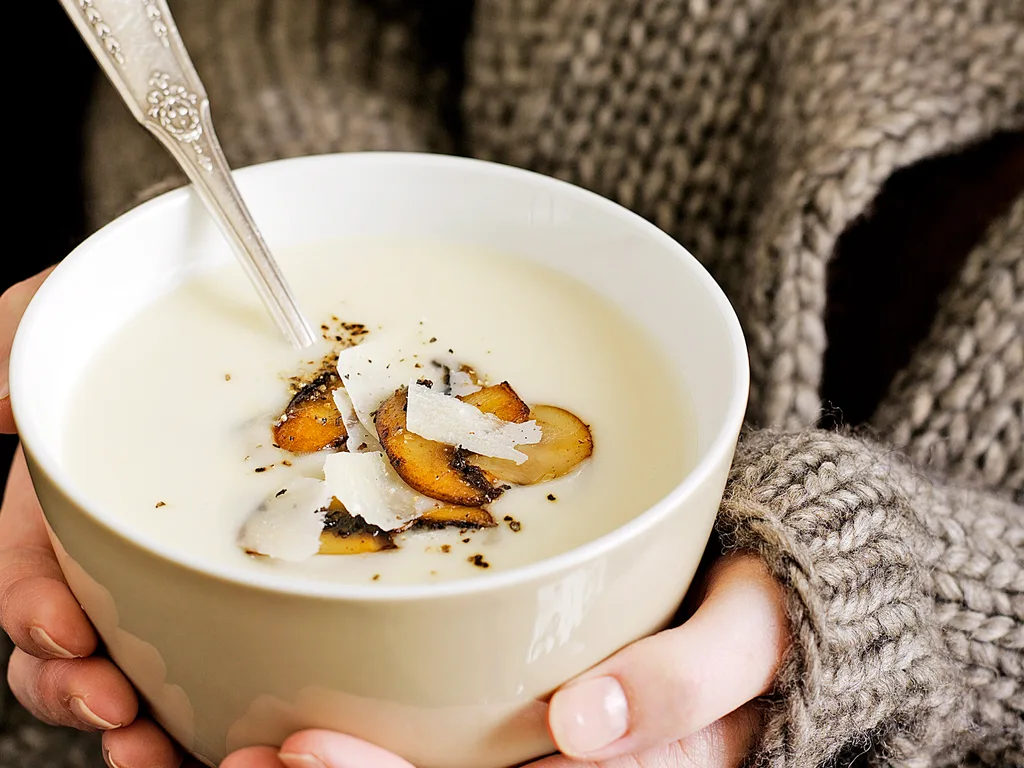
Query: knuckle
x=26, y=602
x=24, y=581
x=707, y=748
x=22, y=675
x=50, y=682
x=681, y=695
x=723, y=744
x=42, y=687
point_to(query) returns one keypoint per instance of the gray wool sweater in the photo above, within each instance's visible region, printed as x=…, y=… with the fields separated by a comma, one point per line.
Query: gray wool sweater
x=755, y=132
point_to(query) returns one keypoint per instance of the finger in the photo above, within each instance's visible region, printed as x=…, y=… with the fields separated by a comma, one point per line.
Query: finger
x=88, y=694
x=335, y=750
x=253, y=757
x=673, y=684
x=37, y=609
x=143, y=744
x=726, y=743
x=13, y=303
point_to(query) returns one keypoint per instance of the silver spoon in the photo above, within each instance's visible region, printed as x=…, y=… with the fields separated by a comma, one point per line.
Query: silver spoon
x=138, y=46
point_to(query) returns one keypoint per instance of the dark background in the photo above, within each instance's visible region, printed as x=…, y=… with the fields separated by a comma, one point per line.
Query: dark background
x=889, y=270
x=44, y=155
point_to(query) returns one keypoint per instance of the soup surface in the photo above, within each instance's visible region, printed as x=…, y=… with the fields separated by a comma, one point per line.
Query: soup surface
x=172, y=425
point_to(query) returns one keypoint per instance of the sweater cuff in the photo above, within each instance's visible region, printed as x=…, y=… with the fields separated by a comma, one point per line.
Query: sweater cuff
x=868, y=669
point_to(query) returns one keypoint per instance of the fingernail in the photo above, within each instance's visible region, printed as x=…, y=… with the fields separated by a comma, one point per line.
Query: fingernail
x=109, y=760
x=301, y=761
x=589, y=716
x=87, y=716
x=42, y=638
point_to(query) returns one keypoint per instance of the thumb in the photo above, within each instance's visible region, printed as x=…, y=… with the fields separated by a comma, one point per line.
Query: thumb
x=726, y=743
x=668, y=686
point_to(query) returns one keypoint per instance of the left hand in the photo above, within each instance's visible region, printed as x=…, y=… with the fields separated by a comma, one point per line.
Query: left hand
x=680, y=699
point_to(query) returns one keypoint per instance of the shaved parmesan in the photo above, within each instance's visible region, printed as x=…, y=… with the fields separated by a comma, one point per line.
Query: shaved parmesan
x=359, y=439
x=373, y=370
x=367, y=486
x=462, y=384
x=287, y=526
x=448, y=420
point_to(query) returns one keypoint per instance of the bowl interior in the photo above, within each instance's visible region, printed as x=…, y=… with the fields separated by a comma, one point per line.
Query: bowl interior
x=138, y=257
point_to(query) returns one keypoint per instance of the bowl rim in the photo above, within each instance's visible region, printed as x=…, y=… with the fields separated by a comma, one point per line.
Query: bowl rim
x=720, y=448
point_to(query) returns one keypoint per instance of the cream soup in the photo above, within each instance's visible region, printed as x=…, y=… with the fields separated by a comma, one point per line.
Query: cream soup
x=173, y=420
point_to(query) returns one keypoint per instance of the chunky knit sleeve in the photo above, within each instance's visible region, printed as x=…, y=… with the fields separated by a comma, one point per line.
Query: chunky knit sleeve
x=958, y=405
x=906, y=599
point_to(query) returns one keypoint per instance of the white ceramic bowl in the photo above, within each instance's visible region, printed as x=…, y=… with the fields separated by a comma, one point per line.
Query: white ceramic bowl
x=227, y=662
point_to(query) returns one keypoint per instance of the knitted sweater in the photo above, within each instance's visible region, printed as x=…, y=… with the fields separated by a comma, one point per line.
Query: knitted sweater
x=755, y=132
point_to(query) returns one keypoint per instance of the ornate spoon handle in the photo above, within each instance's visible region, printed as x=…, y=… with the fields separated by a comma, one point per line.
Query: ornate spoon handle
x=138, y=46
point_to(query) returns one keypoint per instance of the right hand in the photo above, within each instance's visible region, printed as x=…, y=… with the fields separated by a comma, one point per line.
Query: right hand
x=53, y=671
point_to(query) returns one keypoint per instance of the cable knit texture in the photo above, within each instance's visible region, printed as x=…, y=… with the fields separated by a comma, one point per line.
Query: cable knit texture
x=755, y=132
x=959, y=407
x=906, y=598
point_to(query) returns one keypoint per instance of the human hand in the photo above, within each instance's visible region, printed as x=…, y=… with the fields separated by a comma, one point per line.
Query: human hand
x=680, y=699
x=13, y=304
x=53, y=671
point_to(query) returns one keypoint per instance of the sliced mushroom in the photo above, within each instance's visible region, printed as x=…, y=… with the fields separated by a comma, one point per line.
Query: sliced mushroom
x=347, y=535
x=566, y=441
x=312, y=422
x=434, y=469
x=501, y=401
x=455, y=517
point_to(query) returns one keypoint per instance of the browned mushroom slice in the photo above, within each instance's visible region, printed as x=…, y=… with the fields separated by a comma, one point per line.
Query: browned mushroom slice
x=312, y=422
x=500, y=400
x=347, y=535
x=434, y=469
x=565, y=442
x=455, y=517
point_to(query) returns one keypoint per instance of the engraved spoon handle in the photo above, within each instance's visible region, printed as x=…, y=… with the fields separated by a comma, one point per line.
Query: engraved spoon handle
x=138, y=46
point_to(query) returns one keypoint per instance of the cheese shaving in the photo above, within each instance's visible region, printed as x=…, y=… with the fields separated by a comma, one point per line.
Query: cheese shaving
x=367, y=486
x=462, y=384
x=287, y=526
x=373, y=370
x=448, y=420
x=359, y=439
